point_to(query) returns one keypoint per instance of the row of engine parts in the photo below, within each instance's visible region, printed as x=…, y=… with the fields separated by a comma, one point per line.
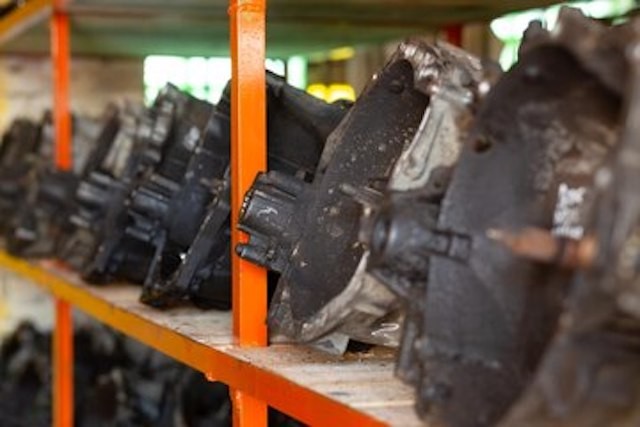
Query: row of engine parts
x=118, y=383
x=484, y=223
x=147, y=201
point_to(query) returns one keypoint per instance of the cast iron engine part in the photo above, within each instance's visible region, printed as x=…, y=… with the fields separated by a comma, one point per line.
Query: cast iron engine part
x=186, y=219
x=309, y=231
x=121, y=255
x=590, y=374
x=138, y=145
x=99, y=186
x=18, y=151
x=480, y=317
x=42, y=214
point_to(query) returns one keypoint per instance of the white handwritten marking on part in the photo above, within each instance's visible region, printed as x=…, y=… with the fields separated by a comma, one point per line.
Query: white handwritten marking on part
x=567, y=216
x=267, y=211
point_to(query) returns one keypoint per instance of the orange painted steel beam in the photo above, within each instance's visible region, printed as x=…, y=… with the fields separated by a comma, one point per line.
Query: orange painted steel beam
x=248, y=157
x=24, y=17
x=63, y=365
x=63, y=403
x=60, y=58
x=247, y=410
x=217, y=362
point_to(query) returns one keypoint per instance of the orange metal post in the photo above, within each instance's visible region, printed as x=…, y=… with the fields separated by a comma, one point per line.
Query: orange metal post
x=63, y=334
x=248, y=156
x=247, y=410
x=60, y=52
x=63, y=366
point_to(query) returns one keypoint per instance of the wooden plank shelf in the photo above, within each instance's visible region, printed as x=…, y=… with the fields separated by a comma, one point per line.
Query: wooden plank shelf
x=357, y=389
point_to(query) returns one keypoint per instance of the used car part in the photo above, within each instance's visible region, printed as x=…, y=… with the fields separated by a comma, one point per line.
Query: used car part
x=141, y=137
x=122, y=255
x=41, y=218
x=590, y=374
x=309, y=231
x=194, y=264
x=479, y=317
x=18, y=151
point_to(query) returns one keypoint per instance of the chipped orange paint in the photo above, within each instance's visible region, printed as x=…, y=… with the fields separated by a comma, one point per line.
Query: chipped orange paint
x=248, y=157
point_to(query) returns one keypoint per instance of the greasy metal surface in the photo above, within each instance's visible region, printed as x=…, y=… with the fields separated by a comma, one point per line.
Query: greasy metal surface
x=195, y=260
x=589, y=376
x=156, y=149
x=42, y=210
x=200, y=27
x=452, y=77
x=319, y=219
x=480, y=317
x=487, y=320
x=18, y=150
x=133, y=142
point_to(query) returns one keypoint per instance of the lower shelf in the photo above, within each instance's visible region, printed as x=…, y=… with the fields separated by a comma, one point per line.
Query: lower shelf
x=316, y=388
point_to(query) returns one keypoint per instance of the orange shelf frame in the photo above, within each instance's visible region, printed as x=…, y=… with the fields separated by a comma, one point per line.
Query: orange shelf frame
x=22, y=18
x=311, y=386
x=248, y=157
x=63, y=375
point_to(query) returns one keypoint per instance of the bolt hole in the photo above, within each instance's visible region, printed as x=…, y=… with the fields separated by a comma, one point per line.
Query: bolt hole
x=482, y=145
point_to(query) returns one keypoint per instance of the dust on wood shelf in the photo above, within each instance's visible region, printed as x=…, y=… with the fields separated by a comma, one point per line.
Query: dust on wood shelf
x=357, y=389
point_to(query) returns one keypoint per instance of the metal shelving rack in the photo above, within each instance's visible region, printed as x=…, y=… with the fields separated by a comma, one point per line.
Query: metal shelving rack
x=230, y=347
x=315, y=388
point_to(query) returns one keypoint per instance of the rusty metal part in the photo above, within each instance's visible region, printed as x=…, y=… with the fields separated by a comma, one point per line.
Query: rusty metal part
x=541, y=245
x=300, y=228
x=479, y=319
x=590, y=375
x=195, y=263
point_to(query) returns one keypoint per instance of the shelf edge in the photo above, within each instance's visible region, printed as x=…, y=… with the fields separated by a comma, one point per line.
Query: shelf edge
x=216, y=362
x=23, y=18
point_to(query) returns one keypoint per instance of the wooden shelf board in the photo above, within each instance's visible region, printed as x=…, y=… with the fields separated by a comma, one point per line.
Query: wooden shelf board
x=314, y=387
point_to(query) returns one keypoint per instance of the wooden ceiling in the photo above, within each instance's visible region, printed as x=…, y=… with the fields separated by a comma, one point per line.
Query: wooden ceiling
x=200, y=27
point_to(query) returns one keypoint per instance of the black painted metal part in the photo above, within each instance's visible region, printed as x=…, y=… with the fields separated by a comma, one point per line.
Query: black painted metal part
x=18, y=153
x=590, y=374
x=479, y=318
x=136, y=146
x=308, y=231
x=132, y=231
x=41, y=217
x=297, y=127
x=153, y=208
